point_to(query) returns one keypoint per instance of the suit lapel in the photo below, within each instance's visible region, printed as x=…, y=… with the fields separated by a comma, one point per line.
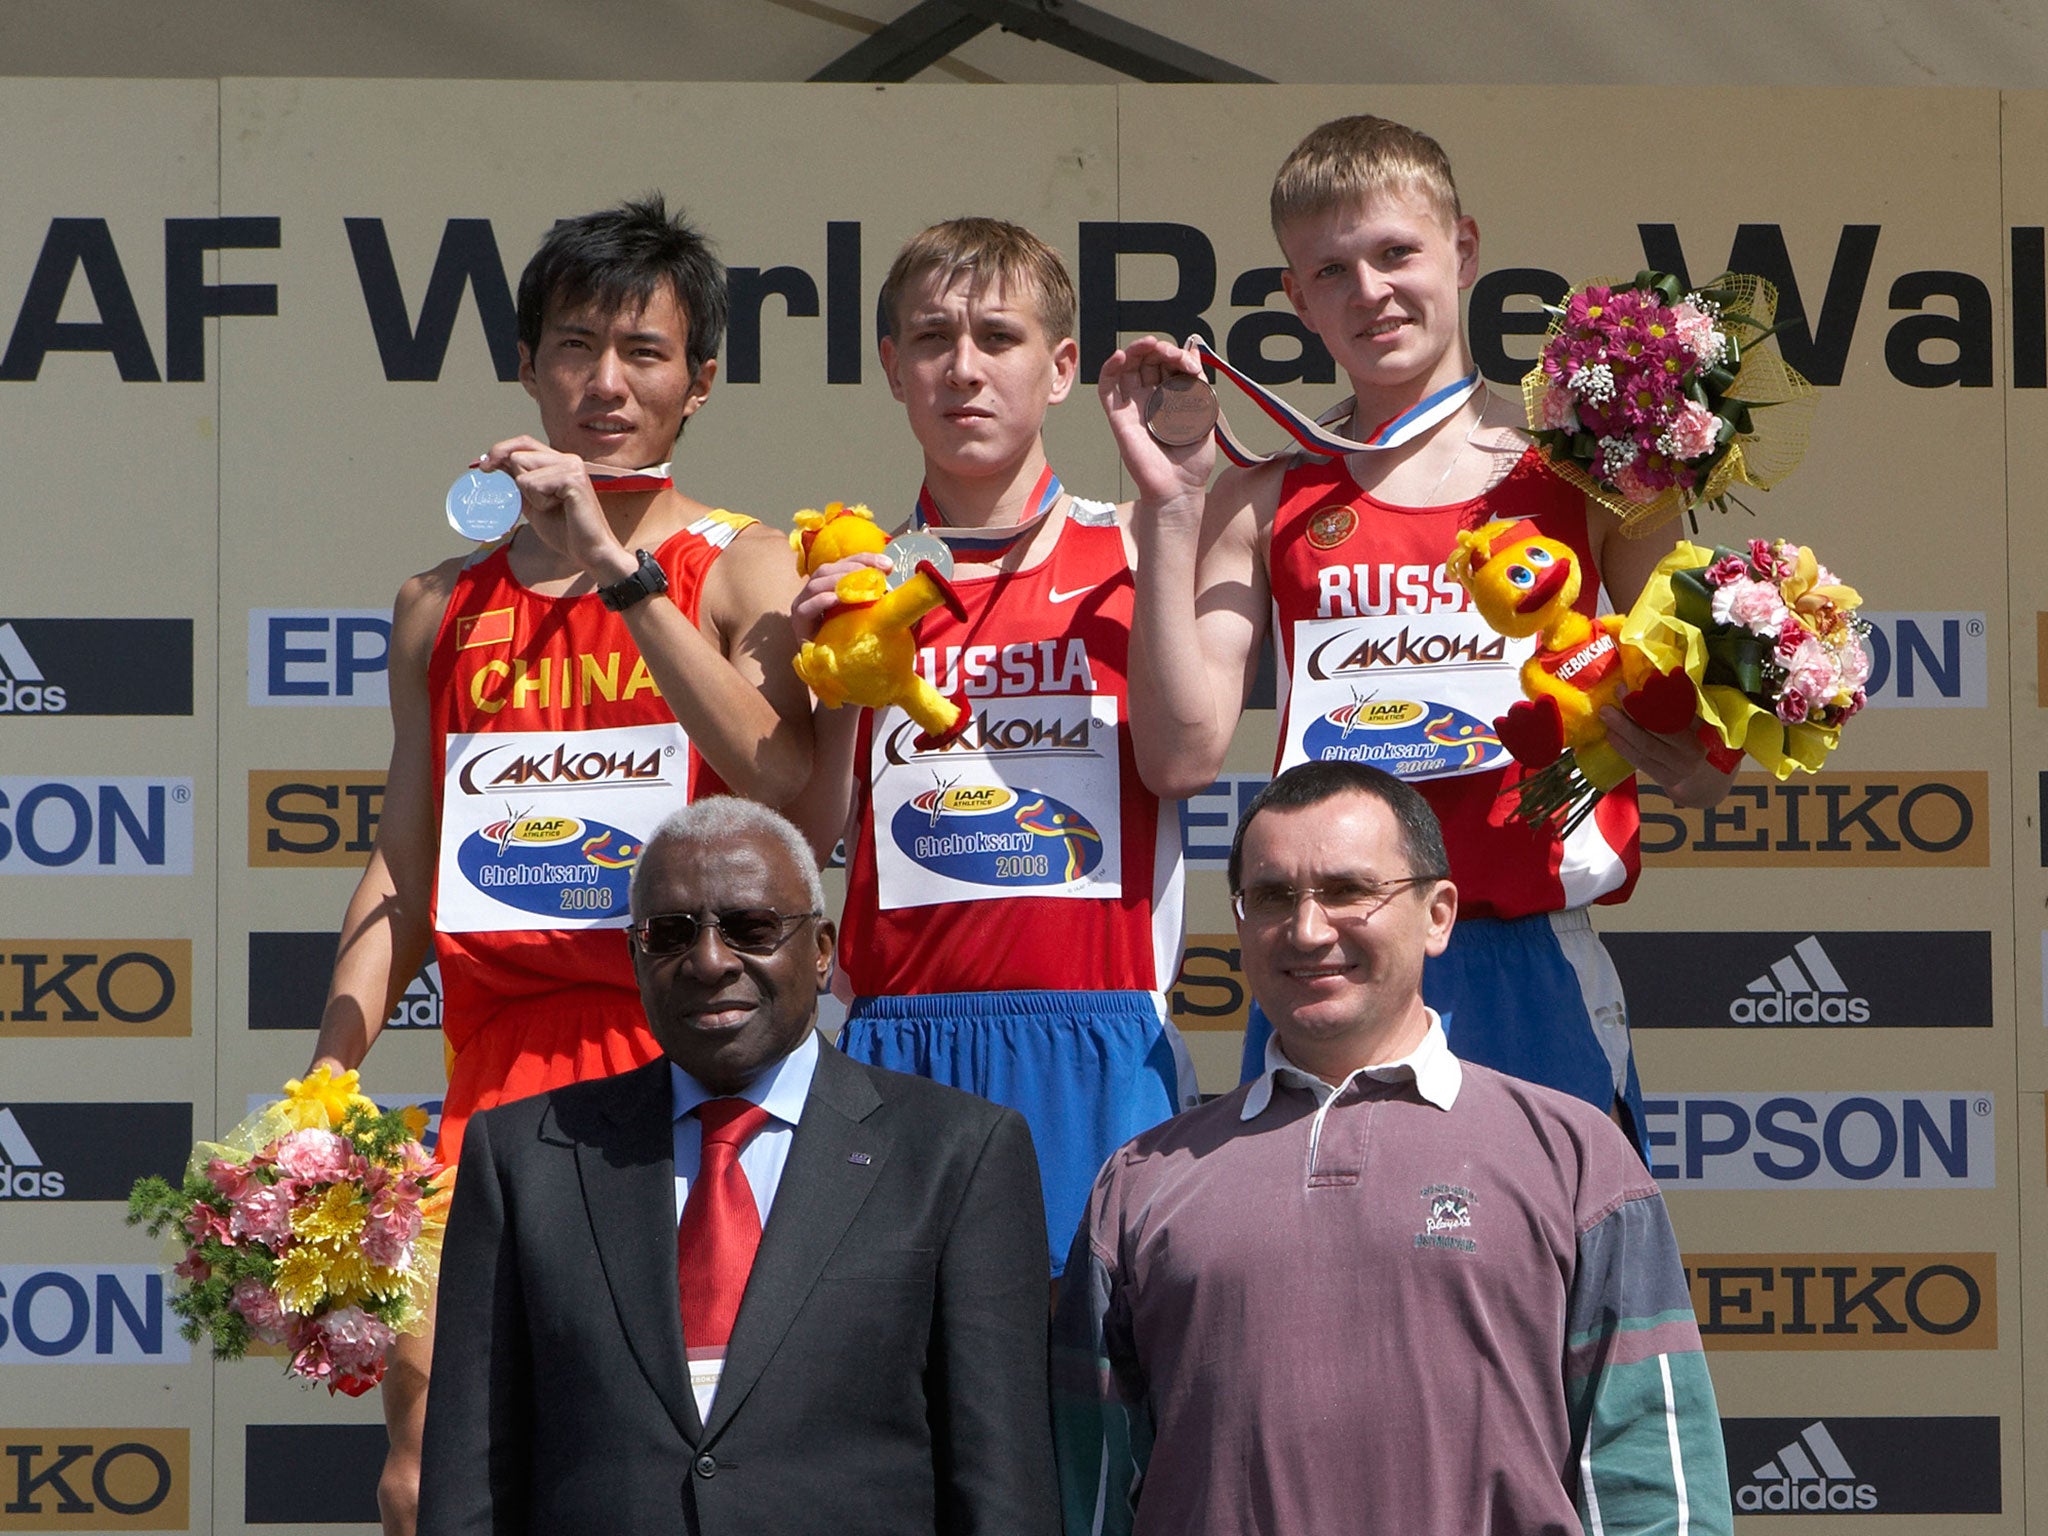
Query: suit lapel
x=833, y=1162
x=628, y=1177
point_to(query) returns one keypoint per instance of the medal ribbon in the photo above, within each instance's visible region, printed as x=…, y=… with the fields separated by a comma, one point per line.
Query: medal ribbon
x=989, y=540
x=607, y=481
x=1317, y=437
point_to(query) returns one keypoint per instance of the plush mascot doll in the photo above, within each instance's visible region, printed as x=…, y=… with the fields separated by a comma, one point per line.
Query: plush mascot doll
x=866, y=649
x=1524, y=584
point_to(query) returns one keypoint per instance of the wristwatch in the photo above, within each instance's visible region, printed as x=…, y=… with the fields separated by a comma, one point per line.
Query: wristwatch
x=649, y=580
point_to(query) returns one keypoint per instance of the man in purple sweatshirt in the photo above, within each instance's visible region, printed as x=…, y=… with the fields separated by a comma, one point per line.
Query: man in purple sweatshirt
x=1376, y=1289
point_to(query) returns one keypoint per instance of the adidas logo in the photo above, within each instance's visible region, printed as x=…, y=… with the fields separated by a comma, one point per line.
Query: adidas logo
x=22, y=689
x=420, y=1008
x=1802, y=988
x=1811, y=1475
x=22, y=1175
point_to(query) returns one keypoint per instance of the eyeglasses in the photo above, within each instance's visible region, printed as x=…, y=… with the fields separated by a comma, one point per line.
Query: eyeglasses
x=1353, y=900
x=745, y=930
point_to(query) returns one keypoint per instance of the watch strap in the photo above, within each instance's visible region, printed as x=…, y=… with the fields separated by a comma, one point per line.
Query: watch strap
x=646, y=581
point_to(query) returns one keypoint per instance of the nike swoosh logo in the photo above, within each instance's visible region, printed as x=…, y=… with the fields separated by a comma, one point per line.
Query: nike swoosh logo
x=1058, y=596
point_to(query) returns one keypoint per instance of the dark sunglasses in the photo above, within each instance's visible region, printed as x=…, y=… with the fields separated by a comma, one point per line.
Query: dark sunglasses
x=745, y=930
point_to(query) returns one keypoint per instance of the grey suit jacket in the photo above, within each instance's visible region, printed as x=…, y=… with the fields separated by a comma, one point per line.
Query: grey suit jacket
x=886, y=1372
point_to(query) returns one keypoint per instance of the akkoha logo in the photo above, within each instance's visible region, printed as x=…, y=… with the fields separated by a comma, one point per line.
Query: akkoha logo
x=22, y=688
x=1802, y=988
x=22, y=1174
x=1809, y=1476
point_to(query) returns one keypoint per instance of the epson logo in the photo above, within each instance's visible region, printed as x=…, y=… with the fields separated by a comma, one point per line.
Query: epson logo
x=109, y=1314
x=1938, y=979
x=1845, y=1465
x=1926, y=660
x=123, y=826
x=22, y=1174
x=301, y=656
x=1809, y=1475
x=1208, y=818
x=1804, y=1140
x=95, y=666
x=1802, y=988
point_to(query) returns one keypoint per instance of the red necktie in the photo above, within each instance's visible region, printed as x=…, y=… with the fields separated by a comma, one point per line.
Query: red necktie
x=721, y=1227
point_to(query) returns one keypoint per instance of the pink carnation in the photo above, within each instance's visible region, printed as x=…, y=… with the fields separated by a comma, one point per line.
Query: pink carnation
x=393, y=1222
x=1763, y=558
x=1691, y=432
x=261, y=1310
x=1791, y=706
x=204, y=1221
x=1791, y=635
x=1635, y=484
x=1854, y=659
x=264, y=1212
x=230, y=1178
x=345, y=1348
x=1812, y=670
x=1729, y=568
x=321, y=1156
x=1695, y=329
x=193, y=1267
x=1753, y=605
x=1555, y=412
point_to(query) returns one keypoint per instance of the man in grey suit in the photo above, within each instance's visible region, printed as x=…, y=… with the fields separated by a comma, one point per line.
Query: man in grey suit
x=885, y=1369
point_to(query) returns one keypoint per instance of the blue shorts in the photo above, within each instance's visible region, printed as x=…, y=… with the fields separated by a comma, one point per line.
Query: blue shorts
x=1086, y=1070
x=1536, y=997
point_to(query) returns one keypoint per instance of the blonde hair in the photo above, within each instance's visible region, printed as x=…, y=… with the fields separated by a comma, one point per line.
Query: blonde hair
x=992, y=251
x=1346, y=161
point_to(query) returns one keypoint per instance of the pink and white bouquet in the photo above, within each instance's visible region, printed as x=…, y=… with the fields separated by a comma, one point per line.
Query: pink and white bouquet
x=1647, y=394
x=315, y=1226
x=1770, y=638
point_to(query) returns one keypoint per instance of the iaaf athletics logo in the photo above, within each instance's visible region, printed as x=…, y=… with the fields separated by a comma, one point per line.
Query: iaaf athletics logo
x=991, y=835
x=551, y=866
x=565, y=768
x=1406, y=737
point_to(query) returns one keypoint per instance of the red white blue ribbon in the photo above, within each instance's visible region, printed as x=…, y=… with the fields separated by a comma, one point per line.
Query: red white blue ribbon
x=1044, y=496
x=607, y=481
x=1317, y=437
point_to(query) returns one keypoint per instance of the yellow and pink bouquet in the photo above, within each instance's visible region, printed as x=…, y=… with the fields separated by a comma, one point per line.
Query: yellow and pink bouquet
x=314, y=1225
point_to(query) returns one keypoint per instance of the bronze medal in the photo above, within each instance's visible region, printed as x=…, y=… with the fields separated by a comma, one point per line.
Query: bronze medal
x=1182, y=411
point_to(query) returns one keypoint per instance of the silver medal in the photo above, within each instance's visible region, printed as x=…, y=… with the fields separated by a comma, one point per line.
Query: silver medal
x=909, y=547
x=483, y=506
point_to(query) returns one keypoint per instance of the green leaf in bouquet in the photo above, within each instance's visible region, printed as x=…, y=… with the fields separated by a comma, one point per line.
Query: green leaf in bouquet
x=1735, y=659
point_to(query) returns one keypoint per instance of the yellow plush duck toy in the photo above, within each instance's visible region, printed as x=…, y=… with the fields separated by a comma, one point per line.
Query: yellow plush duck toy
x=1524, y=584
x=866, y=651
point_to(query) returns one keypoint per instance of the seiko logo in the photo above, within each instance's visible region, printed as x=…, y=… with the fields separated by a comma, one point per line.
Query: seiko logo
x=1809, y=1474
x=1347, y=653
x=1802, y=988
x=96, y=1479
x=563, y=768
x=67, y=988
x=22, y=689
x=1361, y=591
x=305, y=817
x=1848, y=820
x=990, y=671
x=1845, y=1300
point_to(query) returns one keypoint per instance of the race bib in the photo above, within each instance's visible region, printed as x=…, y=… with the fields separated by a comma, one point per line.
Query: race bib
x=1025, y=803
x=1413, y=693
x=541, y=829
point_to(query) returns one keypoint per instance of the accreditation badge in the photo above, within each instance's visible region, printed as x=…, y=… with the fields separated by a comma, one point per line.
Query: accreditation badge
x=1025, y=802
x=1413, y=693
x=541, y=829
